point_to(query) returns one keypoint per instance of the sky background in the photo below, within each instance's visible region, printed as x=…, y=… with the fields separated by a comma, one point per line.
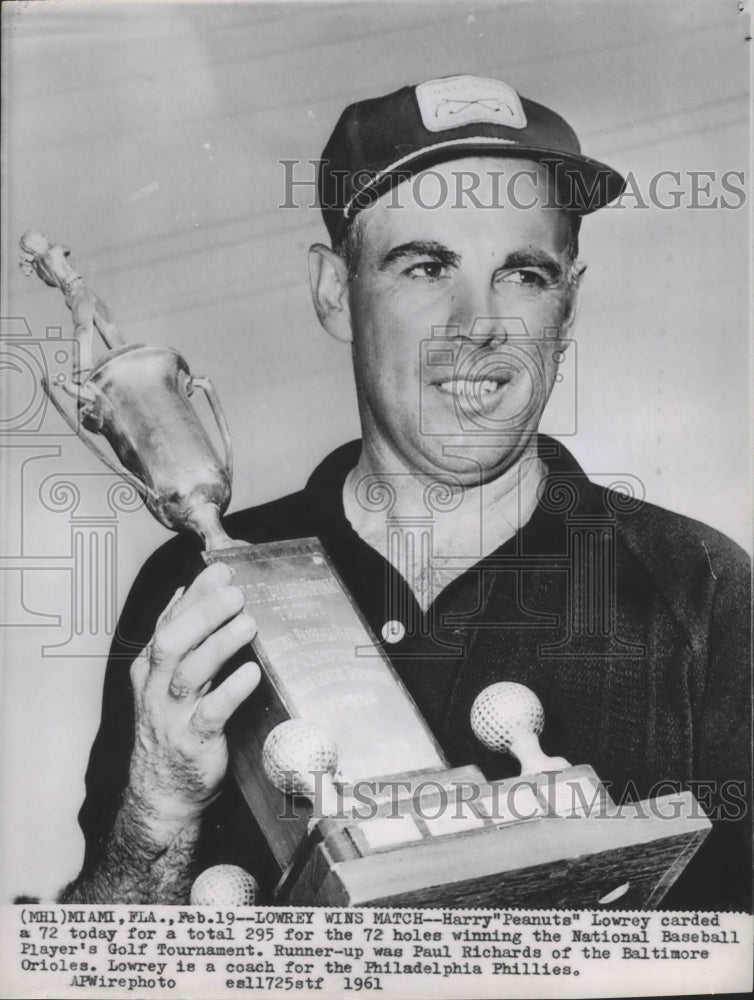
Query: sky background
x=148, y=138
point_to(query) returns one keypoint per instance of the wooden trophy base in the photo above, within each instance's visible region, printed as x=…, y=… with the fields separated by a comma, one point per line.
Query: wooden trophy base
x=544, y=840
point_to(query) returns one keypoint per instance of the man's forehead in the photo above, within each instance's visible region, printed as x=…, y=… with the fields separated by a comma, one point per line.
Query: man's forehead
x=476, y=195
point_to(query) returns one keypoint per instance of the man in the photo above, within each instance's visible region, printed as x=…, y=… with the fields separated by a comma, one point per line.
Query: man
x=454, y=210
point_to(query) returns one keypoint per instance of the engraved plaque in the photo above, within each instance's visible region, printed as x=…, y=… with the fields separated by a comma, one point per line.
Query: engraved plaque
x=324, y=662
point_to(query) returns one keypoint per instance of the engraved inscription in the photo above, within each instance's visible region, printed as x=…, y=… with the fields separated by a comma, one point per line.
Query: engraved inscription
x=311, y=641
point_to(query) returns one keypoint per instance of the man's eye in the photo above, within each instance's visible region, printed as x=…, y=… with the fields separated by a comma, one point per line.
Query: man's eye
x=431, y=269
x=526, y=278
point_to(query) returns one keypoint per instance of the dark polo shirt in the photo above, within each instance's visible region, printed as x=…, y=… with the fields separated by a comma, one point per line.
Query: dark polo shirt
x=631, y=624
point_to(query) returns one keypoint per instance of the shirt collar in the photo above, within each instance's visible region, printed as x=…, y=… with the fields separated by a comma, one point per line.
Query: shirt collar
x=566, y=490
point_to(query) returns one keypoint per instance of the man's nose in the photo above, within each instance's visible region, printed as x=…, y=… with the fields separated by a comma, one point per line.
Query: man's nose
x=474, y=318
x=488, y=330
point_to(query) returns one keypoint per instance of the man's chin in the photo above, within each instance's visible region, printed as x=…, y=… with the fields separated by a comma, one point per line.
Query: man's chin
x=473, y=459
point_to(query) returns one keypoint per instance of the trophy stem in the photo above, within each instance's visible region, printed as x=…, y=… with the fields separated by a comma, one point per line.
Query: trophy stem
x=525, y=747
x=205, y=521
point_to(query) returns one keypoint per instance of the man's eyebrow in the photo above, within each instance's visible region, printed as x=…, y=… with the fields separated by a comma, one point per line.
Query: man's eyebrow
x=531, y=257
x=420, y=248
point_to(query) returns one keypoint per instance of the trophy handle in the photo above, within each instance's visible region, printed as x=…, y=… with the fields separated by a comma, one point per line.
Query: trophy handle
x=203, y=383
x=88, y=438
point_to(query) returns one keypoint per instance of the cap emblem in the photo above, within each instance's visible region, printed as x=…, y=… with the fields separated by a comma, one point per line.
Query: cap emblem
x=454, y=101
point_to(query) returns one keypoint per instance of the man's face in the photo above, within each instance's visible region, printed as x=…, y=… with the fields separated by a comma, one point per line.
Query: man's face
x=457, y=313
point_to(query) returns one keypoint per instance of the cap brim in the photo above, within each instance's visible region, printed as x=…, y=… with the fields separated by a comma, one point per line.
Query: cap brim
x=583, y=185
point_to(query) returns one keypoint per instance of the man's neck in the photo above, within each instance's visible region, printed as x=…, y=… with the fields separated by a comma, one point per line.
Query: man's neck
x=463, y=523
x=378, y=461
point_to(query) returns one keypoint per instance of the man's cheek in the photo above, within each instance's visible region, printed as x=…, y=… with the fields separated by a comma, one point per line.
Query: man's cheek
x=559, y=312
x=544, y=323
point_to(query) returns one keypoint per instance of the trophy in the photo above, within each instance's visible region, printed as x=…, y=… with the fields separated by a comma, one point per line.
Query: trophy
x=331, y=714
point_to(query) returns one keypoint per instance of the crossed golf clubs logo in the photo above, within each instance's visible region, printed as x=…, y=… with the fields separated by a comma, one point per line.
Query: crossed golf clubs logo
x=487, y=103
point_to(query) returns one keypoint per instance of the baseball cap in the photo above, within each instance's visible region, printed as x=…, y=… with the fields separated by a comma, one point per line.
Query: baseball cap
x=379, y=142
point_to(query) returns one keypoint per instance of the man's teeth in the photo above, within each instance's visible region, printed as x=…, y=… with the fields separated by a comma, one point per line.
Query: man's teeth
x=468, y=387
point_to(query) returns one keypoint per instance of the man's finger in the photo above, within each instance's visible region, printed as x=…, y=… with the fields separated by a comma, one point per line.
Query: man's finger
x=214, y=576
x=199, y=667
x=188, y=628
x=170, y=610
x=215, y=708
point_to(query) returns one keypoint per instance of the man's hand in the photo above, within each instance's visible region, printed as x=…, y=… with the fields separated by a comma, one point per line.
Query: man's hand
x=180, y=752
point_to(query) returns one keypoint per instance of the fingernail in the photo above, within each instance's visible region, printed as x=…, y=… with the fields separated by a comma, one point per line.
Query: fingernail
x=232, y=596
x=248, y=673
x=243, y=624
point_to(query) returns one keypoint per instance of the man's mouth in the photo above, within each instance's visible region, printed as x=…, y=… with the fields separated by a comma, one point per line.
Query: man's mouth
x=473, y=387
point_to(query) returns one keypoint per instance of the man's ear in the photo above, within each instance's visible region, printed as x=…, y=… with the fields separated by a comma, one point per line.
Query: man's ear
x=328, y=277
x=577, y=271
